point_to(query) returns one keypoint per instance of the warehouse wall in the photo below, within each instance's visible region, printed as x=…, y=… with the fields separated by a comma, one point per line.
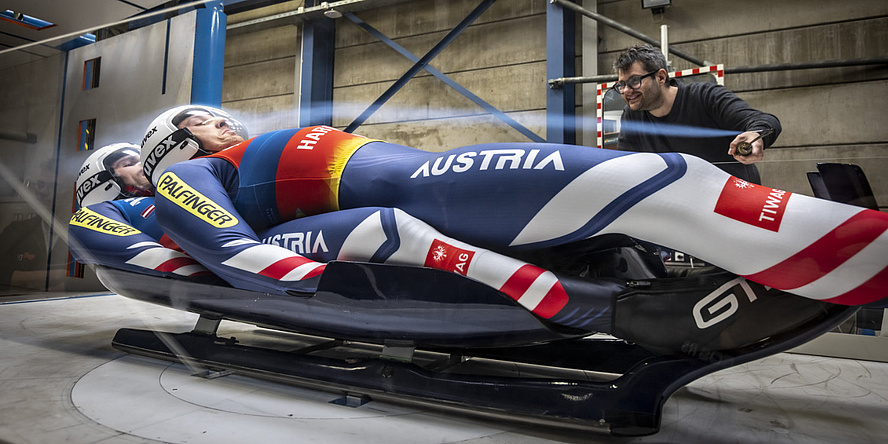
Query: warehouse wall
x=29, y=104
x=46, y=98
x=261, y=76
x=30, y=99
x=501, y=58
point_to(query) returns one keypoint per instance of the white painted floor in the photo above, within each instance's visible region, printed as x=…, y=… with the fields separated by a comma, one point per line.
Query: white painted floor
x=61, y=381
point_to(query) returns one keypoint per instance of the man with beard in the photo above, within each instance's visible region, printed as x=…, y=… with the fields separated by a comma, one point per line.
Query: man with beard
x=659, y=107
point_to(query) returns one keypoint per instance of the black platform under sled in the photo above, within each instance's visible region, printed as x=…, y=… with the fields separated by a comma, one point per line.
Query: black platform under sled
x=596, y=383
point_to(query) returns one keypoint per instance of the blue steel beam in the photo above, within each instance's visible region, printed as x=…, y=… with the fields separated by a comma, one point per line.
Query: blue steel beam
x=316, y=87
x=209, y=55
x=419, y=65
x=447, y=80
x=560, y=54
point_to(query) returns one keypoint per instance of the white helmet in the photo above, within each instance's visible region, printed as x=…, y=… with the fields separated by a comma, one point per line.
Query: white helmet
x=166, y=144
x=96, y=182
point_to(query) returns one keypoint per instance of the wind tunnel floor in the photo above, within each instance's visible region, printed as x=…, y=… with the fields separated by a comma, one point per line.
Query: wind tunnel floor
x=63, y=382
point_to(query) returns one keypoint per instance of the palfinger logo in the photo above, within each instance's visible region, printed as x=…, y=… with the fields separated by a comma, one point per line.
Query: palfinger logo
x=91, y=220
x=189, y=199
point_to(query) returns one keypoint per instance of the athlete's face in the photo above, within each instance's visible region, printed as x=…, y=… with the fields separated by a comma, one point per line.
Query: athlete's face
x=214, y=133
x=129, y=169
x=647, y=94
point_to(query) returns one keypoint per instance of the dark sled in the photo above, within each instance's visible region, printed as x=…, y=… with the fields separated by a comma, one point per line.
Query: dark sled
x=438, y=339
x=433, y=338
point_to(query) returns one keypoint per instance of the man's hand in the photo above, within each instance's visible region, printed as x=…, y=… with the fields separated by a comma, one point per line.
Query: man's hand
x=758, y=148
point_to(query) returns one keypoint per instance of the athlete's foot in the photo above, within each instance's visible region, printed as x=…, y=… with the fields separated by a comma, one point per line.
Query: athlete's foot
x=589, y=304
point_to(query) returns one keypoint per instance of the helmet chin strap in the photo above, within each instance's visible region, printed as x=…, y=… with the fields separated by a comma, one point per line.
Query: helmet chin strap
x=201, y=152
x=131, y=191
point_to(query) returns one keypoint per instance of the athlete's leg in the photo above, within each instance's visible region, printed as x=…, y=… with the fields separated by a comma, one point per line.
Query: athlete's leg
x=538, y=195
x=391, y=236
x=680, y=309
x=101, y=234
x=807, y=246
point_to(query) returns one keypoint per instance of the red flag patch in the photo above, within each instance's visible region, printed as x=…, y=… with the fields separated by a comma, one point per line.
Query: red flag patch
x=444, y=256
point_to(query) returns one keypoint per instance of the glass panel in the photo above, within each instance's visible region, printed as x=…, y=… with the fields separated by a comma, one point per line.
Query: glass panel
x=91, y=69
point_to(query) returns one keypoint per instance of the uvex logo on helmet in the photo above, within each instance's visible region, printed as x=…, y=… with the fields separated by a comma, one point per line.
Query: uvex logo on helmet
x=148, y=135
x=92, y=182
x=178, y=139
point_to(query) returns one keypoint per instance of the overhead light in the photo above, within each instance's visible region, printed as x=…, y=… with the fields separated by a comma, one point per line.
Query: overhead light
x=330, y=12
x=656, y=6
x=25, y=20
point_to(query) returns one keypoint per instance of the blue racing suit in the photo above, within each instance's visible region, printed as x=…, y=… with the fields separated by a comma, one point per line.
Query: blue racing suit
x=509, y=197
x=125, y=234
x=107, y=234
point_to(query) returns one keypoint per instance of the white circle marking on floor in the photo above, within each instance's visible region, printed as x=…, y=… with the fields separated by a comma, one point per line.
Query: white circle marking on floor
x=158, y=400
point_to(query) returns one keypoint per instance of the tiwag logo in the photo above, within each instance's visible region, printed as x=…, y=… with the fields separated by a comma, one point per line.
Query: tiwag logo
x=444, y=256
x=721, y=303
x=753, y=204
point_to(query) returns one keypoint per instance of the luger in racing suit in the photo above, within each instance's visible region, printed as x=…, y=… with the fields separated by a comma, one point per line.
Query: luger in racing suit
x=124, y=234
x=509, y=197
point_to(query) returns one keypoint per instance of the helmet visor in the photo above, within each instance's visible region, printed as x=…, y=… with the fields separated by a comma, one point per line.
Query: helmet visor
x=209, y=113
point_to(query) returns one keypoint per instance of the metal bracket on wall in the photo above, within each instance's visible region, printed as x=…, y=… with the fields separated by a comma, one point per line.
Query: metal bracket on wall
x=625, y=29
x=420, y=64
x=316, y=82
x=561, y=103
x=447, y=80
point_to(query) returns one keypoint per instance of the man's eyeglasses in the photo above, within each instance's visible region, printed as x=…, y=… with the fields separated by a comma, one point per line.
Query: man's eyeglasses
x=633, y=82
